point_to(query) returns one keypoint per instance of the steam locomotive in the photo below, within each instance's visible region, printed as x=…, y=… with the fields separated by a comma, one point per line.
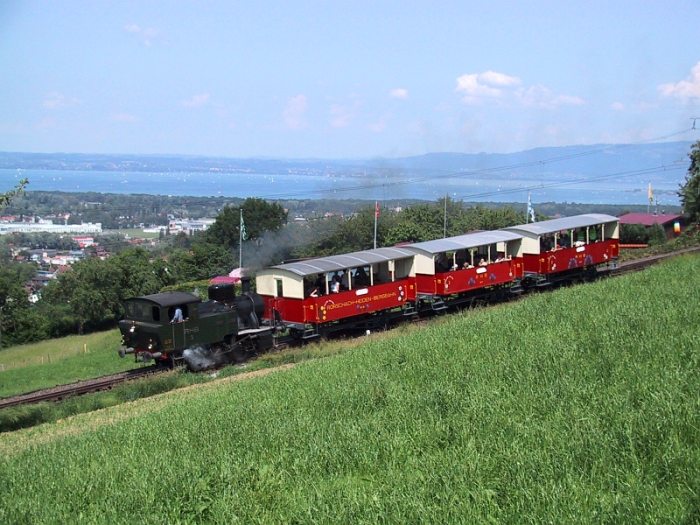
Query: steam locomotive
x=204, y=334
x=367, y=290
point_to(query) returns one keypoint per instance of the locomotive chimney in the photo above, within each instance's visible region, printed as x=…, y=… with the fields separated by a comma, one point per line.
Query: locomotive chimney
x=245, y=281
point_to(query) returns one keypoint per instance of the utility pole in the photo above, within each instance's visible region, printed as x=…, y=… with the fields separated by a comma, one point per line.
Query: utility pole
x=444, y=222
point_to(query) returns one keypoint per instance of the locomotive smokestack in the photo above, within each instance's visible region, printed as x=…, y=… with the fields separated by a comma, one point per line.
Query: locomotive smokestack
x=245, y=281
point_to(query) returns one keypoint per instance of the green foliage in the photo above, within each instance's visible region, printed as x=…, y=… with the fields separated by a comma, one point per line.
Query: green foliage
x=565, y=407
x=657, y=235
x=19, y=321
x=690, y=191
x=259, y=216
x=90, y=288
x=634, y=234
x=202, y=261
x=7, y=197
x=199, y=287
x=418, y=223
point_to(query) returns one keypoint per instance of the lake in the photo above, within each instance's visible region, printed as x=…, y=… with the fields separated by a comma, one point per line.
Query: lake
x=467, y=187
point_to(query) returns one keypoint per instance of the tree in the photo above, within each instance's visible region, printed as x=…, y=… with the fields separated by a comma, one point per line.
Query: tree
x=690, y=191
x=134, y=274
x=203, y=261
x=6, y=198
x=19, y=322
x=91, y=290
x=421, y=222
x=259, y=216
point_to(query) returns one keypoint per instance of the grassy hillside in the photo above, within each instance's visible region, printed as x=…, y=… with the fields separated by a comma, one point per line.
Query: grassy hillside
x=58, y=361
x=575, y=406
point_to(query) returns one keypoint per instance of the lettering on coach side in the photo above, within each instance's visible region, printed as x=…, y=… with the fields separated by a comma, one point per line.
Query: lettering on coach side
x=362, y=300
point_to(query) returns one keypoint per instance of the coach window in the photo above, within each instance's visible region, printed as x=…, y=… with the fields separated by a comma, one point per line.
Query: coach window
x=278, y=286
x=156, y=313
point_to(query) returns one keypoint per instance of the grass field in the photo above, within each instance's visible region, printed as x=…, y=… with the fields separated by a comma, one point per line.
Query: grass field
x=58, y=361
x=135, y=233
x=581, y=405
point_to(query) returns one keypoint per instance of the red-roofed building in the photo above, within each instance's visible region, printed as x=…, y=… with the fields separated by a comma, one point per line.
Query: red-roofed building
x=672, y=223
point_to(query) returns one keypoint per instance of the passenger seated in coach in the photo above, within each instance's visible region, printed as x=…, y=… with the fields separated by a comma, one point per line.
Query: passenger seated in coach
x=321, y=284
x=482, y=262
x=335, y=284
x=345, y=280
x=499, y=257
x=361, y=278
x=466, y=265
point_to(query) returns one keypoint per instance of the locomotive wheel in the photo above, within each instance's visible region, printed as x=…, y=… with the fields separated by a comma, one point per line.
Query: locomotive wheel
x=238, y=354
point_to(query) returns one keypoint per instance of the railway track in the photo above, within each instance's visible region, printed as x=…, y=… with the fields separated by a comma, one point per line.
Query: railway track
x=636, y=265
x=61, y=392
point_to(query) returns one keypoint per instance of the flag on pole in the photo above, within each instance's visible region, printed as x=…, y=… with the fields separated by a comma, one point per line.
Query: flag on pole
x=530, y=210
x=244, y=234
x=376, y=218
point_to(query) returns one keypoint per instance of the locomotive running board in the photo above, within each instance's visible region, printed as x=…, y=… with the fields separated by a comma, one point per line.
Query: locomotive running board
x=253, y=331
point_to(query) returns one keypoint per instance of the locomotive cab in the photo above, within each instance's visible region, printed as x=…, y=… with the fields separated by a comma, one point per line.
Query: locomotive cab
x=153, y=329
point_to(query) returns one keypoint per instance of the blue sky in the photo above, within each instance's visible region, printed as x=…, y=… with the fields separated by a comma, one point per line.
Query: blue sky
x=344, y=79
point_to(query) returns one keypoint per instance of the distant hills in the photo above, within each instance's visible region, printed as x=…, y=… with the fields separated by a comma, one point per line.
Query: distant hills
x=542, y=162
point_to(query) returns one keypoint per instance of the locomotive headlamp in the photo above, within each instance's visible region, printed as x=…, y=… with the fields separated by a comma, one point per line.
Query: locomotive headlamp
x=132, y=329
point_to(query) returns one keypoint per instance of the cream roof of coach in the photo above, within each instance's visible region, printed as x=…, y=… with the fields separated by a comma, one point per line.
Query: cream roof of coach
x=534, y=230
x=426, y=251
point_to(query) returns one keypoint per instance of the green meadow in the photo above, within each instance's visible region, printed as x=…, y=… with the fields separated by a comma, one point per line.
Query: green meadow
x=45, y=364
x=580, y=405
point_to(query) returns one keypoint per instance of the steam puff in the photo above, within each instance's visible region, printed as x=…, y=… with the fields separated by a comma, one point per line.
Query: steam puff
x=199, y=358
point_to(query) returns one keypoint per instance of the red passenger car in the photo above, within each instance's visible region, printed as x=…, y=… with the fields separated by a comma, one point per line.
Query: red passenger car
x=356, y=290
x=570, y=247
x=459, y=268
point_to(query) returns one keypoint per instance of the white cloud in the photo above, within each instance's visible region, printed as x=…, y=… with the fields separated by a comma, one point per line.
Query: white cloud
x=294, y=112
x=124, y=117
x=57, y=100
x=489, y=84
x=196, y=101
x=494, y=87
x=494, y=78
x=400, y=93
x=617, y=106
x=145, y=34
x=685, y=89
